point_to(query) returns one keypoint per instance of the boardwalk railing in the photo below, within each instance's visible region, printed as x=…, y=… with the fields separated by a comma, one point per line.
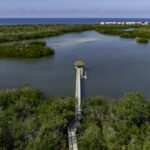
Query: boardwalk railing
x=80, y=75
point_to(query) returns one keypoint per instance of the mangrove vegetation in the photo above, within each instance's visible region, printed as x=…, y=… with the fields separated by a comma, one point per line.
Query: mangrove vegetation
x=112, y=125
x=11, y=33
x=30, y=122
x=16, y=33
x=142, y=40
x=34, y=49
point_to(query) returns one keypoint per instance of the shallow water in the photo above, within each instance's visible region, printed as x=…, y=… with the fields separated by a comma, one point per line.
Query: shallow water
x=114, y=66
x=129, y=29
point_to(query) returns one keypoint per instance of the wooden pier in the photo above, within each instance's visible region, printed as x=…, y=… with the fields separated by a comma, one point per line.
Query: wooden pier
x=80, y=76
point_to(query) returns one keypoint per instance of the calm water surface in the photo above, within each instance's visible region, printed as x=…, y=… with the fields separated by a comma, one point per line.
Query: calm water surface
x=14, y=21
x=114, y=66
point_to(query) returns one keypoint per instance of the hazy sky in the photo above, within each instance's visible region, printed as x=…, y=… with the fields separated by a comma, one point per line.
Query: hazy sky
x=74, y=8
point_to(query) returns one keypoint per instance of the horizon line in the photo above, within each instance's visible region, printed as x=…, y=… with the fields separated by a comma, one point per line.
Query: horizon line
x=74, y=18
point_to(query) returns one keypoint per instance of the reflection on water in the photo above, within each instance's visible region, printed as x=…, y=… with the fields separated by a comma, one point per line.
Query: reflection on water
x=114, y=66
x=73, y=39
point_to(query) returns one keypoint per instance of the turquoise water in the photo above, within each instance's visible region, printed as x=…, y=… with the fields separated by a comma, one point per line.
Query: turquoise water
x=114, y=66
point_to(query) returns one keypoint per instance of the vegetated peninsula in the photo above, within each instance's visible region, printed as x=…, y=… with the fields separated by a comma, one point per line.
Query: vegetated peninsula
x=18, y=33
x=34, y=49
x=28, y=121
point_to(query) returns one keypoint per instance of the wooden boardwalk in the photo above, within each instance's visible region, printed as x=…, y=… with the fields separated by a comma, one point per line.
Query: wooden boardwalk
x=80, y=75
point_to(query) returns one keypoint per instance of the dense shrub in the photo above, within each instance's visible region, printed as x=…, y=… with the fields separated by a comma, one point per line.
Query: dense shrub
x=29, y=122
x=110, y=31
x=33, y=49
x=141, y=40
x=114, y=126
x=27, y=32
x=128, y=35
x=41, y=43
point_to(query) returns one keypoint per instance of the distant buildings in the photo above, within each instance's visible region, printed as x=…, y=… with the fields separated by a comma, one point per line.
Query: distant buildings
x=126, y=23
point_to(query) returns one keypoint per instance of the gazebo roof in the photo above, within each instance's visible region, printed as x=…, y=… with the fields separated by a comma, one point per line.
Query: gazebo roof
x=79, y=63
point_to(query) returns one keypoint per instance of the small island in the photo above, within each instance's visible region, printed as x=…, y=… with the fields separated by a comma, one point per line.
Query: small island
x=34, y=49
x=142, y=40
